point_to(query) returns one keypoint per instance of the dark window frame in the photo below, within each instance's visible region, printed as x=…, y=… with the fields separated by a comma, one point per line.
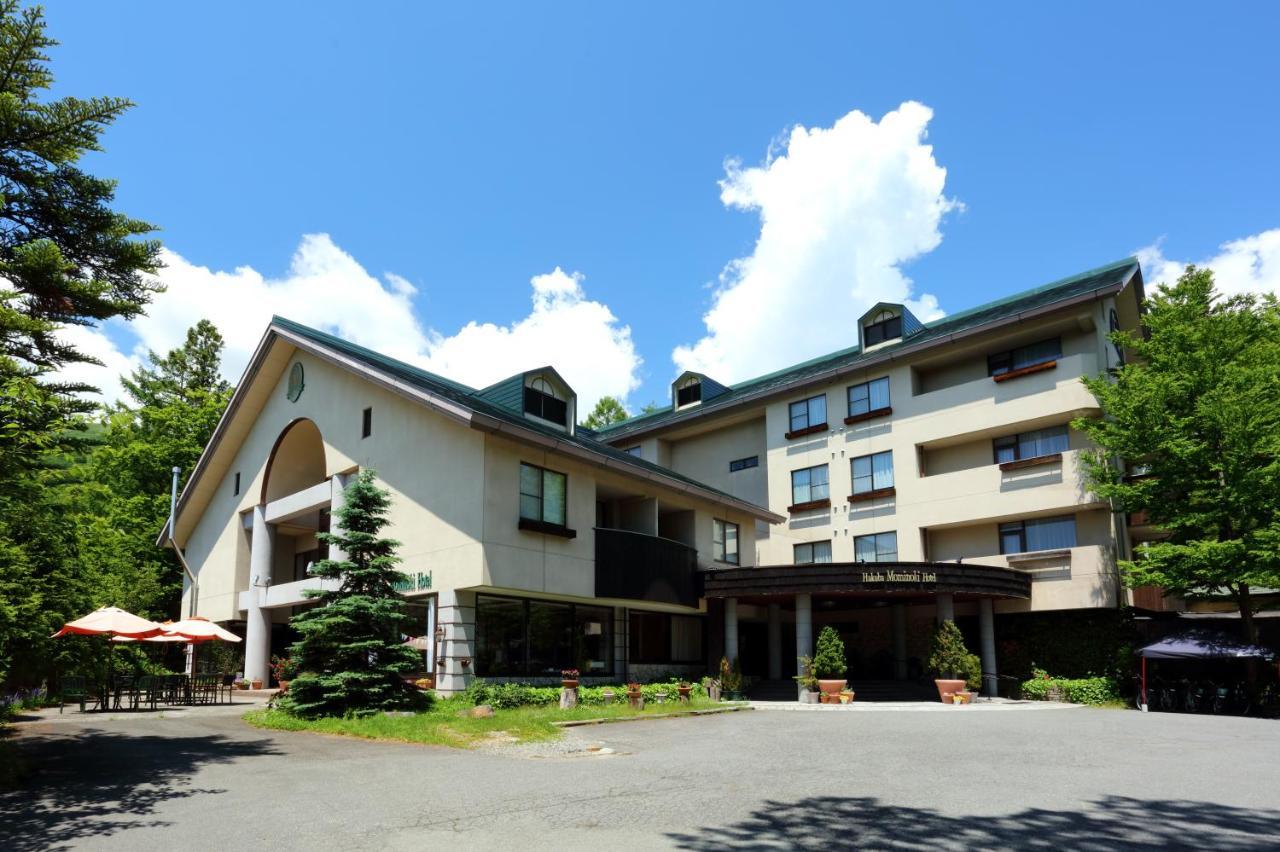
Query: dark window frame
x=795, y=552
x=689, y=394
x=236, y=491
x=811, y=498
x=366, y=423
x=526, y=605
x=721, y=546
x=1001, y=363
x=809, y=425
x=1014, y=443
x=850, y=402
x=745, y=463
x=546, y=407
x=633, y=451
x=527, y=521
x=875, y=537
x=875, y=486
x=875, y=333
x=1019, y=529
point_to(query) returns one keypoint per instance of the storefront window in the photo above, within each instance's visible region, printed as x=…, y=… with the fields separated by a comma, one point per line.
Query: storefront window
x=657, y=637
x=526, y=638
x=500, y=636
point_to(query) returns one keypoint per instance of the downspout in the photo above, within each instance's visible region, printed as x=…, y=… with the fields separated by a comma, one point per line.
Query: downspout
x=173, y=542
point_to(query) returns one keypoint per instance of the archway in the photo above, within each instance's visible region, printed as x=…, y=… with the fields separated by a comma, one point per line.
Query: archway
x=296, y=462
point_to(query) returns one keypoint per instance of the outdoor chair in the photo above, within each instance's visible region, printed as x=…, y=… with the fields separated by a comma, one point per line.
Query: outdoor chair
x=174, y=689
x=229, y=686
x=149, y=690
x=73, y=688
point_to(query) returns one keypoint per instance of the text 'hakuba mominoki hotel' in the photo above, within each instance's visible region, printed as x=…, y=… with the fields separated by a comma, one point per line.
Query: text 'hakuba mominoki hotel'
x=928, y=471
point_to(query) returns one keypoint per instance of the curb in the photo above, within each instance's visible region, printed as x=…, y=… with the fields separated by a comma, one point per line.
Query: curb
x=577, y=723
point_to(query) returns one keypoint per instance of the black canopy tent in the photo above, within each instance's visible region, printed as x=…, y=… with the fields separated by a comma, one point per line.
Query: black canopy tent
x=1199, y=645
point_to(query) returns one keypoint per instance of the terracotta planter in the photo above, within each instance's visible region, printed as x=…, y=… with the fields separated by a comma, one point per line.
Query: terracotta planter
x=684, y=693
x=569, y=684
x=284, y=686
x=947, y=688
x=831, y=690
x=257, y=684
x=636, y=700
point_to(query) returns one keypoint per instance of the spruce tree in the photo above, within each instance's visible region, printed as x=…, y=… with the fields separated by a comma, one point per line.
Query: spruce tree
x=350, y=658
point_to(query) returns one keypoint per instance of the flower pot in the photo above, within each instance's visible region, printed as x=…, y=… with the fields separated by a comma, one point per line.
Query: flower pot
x=569, y=684
x=684, y=693
x=608, y=695
x=809, y=696
x=284, y=686
x=831, y=690
x=948, y=687
x=636, y=699
x=257, y=684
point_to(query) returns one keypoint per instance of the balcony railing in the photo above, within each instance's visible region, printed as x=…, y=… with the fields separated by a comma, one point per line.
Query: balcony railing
x=636, y=566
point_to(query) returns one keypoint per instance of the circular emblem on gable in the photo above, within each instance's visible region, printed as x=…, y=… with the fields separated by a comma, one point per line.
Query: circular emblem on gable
x=295, y=382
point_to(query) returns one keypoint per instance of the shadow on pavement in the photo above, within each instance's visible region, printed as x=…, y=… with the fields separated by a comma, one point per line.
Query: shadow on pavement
x=97, y=783
x=1114, y=822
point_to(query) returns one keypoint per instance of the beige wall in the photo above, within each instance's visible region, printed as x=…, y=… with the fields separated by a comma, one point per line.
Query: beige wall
x=706, y=458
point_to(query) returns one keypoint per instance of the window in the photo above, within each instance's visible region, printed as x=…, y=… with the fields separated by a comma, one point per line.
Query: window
x=237, y=487
x=742, y=464
x=809, y=413
x=869, y=396
x=814, y=552
x=809, y=484
x=656, y=637
x=880, y=547
x=633, y=451
x=689, y=392
x=886, y=326
x=1024, y=356
x=1030, y=445
x=542, y=495
x=724, y=541
x=540, y=401
x=366, y=423
x=871, y=473
x=516, y=638
x=1041, y=534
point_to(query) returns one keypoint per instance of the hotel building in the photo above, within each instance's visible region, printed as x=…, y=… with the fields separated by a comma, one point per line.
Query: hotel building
x=928, y=471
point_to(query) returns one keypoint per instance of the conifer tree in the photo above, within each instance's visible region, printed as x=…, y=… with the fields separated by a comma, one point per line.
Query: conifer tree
x=350, y=658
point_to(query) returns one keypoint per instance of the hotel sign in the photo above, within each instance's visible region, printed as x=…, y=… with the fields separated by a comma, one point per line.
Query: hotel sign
x=413, y=581
x=899, y=577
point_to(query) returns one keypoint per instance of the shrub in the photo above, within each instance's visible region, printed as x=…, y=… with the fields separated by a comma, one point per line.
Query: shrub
x=1084, y=690
x=950, y=659
x=828, y=659
x=505, y=696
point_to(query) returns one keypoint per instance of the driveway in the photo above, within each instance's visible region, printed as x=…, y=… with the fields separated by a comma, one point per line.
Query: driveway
x=1101, y=779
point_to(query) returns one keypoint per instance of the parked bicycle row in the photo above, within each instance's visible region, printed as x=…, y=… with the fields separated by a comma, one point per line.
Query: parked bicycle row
x=1206, y=696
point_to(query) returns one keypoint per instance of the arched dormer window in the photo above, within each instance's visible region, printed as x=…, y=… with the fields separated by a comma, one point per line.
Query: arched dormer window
x=689, y=391
x=885, y=325
x=542, y=401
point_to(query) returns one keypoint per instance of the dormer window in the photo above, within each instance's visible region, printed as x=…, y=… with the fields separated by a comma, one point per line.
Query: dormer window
x=885, y=325
x=689, y=392
x=541, y=401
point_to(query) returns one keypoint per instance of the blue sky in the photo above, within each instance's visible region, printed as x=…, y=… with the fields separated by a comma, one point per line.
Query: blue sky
x=466, y=150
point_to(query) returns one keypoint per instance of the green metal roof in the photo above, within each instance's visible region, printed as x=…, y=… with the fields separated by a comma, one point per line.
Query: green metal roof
x=482, y=401
x=1066, y=288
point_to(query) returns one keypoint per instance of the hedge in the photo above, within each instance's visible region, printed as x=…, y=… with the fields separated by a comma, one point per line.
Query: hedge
x=505, y=696
x=1084, y=690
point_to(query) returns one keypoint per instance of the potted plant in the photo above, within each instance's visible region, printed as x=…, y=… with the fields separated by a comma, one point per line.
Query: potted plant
x=829, y=666
x=284, y=668
x=684, y=688
x=846, y=696
x=950, y=661
x=635, y=696
x=569, y=678
x=731, y=678
x=807, y=683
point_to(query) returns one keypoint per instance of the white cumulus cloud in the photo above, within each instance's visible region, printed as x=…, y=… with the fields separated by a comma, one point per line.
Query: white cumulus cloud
x=841, y=210
x=326, y=288
x=1247, y=265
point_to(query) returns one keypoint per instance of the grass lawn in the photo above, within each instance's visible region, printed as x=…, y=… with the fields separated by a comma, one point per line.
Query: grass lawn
x=447, y=724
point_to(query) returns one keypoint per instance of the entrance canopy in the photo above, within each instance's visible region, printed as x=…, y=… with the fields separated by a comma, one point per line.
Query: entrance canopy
x=869, y=579
x=1203, y=645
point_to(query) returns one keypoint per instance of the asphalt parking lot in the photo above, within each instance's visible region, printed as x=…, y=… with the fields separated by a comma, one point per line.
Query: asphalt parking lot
x=1079, y=778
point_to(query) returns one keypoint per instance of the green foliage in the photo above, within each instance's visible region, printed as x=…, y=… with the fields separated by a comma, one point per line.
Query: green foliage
x=350, y=658
x=1198, y=406
x=950, y=659
x=1075, y=644
x=506, y=696
x=828, y=658
x=1086, y=690
x=66, y=259
x=806, y=678
x=730, y=675
x=607, y=411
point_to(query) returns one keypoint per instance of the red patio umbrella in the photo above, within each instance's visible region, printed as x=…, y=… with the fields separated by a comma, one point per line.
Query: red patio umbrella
x=198, y=629
x=113, y=622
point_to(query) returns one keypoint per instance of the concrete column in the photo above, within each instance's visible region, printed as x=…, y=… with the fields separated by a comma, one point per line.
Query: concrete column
x=987, y=645
x=731, y=629
x=899, y=641
x=455, y=666
x=946, y=608
x=775, y=641
x=429, y=656
x=804, y=626
x=257, y=640
x=338, y=499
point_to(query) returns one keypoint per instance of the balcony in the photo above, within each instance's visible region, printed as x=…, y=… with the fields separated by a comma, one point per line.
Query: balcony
x=636, y=566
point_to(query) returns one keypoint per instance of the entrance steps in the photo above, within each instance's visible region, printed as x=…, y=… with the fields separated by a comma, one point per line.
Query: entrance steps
x=864, y=690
